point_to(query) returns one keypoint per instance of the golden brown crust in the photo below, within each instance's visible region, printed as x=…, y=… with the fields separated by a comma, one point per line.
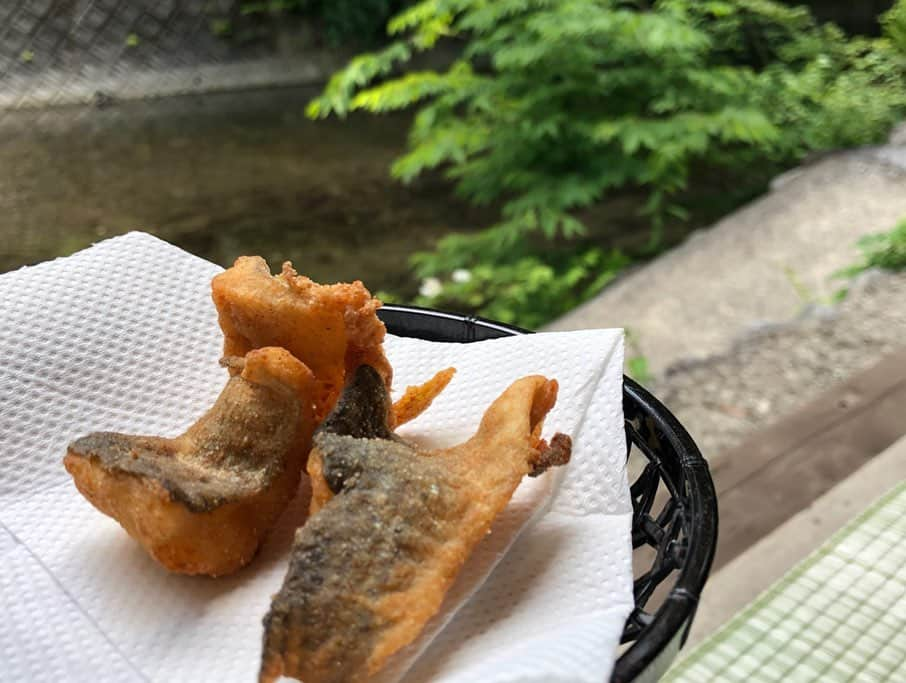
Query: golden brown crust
x=213, y=543
x=374, y=564
x=330, y=328
x=202, y=502
x=320, y=491
x=417, y=399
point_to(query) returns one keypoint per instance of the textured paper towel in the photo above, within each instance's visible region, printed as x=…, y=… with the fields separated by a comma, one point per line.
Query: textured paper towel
x=123, y=336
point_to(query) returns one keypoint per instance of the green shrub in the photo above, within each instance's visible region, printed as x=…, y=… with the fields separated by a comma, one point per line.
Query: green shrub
x=893, y=23
x=886, y=250
x=526, y=290
x=554, y=104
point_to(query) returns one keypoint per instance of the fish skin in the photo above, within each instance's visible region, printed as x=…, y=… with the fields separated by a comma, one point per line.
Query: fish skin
x=202, y=502
x=373, y=565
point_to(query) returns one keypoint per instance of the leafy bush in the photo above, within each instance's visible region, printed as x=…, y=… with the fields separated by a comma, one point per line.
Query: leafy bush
x=886, y=250
x=832, y=91
x=554, y=104
x=893, y=23
x=526, y=290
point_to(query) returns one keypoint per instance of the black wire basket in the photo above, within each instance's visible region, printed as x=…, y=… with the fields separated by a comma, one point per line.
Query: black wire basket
x=674, y=521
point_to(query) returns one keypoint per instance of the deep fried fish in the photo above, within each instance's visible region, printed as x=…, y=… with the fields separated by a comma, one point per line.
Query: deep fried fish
x=373, y=565
x=202, y=502
x=416, y=399
x=330, y=328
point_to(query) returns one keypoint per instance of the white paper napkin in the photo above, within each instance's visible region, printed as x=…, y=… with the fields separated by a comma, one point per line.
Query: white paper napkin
x=123, y=336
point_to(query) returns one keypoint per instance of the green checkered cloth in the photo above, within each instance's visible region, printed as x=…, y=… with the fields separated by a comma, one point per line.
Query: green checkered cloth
x=840, y=615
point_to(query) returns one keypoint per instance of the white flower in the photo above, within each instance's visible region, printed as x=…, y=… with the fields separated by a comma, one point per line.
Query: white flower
x=461, y=275
x=431, y=287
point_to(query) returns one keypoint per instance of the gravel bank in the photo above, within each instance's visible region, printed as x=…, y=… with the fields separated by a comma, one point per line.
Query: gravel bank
x=775, y=369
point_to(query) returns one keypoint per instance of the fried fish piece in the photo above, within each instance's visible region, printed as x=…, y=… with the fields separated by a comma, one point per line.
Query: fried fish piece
x=368, y=571
x=201, y=503
x=330, y=328
x=414, y=401
x=417, y=399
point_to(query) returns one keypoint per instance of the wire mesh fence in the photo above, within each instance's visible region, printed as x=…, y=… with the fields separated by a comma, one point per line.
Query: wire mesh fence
x=69, y=51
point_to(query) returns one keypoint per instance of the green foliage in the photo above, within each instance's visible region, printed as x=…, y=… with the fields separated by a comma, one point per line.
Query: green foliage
x=636, y=361
x=886, y=250
x=850, y=94
x=220, y=26
x=803, y=291
x=637, y=367
x=528, y=290
x=893, y=23
x=554, y=104
x=839, y=295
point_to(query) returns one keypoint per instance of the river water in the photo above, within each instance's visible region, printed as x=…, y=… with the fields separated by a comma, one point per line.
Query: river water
x=227, y=174
x=221, y=175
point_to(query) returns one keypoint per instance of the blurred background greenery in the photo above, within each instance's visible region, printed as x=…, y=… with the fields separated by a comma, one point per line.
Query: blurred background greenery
x=538, y=149
x=544, y=110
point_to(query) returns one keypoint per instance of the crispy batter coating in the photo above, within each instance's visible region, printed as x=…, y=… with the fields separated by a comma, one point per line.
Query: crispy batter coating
x=201, y=503
x=414, y=401
x=330, y=328
x=373, y=565
x=364, y=412
x=417, y=399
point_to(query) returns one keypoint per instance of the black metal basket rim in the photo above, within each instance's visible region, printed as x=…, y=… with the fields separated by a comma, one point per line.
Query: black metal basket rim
x=468, y=323
x=675, y=615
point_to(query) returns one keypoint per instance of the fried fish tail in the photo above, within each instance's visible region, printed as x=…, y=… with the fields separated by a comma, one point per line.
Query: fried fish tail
x=514, y=419
x=487, y=468
x=368, y=571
